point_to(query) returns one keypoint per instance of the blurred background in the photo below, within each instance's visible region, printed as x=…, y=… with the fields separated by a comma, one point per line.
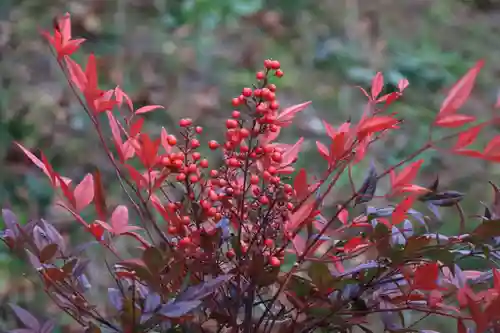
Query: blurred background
x=193, y=56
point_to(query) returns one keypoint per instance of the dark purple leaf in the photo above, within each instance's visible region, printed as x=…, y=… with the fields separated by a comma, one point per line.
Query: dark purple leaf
x=397, y=237
x=115, y=298
x=369, y=186
x=178, y=309
x=83, y=282
x=434, y=210
x=25, y=317
x=407, y=228
x=203, y=289
x=10, y=220
x=34, y=260
x=40, y=237
x=47, y=327
x=22, y=330
x=54, y=235
x=152, y=302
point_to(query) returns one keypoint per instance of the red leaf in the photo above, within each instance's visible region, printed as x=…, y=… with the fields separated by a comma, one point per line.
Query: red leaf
x=453, y=120
x=99, y=197
x=467, y=137
x=376, y=124
x=330, y=131
x=66, y=191
x=36, y=161
x=120, y=96
x=461, y=328
x=492, y=148
x=496, y=279
x=377, y=85
x=426, y=276
x=76, y=74
x=84, y=192
x=300, y=216
x=477, y=314
x=119, y=221
x=344, y=216
x=117, y=138
x=300, y=184
x=136, y=127
x=148, y=108
x=460, y=92
x=136, y=176
x=403, y=84
x=353, y=243
x=406, y=176
x=399, y=213
x=97, y=230
x=323, y=150
x=290, y=155
x=285, y=118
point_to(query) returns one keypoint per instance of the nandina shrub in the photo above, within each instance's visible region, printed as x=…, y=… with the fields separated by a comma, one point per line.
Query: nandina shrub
x=217, y=257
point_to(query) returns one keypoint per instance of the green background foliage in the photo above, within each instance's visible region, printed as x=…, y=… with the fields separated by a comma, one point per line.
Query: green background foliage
x=193, y=55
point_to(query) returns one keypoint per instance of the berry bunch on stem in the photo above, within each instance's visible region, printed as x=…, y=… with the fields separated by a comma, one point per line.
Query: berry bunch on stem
x=248, y=246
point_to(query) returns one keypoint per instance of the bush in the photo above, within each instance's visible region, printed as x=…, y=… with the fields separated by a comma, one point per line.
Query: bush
x=248, y=246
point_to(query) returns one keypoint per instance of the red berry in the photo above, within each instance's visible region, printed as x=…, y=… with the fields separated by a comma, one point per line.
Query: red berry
x=244, y=133
x=275, y=64
x=172, y=230
x=195, y=143
x=277, y=157
x=275, y=262
x=262, y=108
x=181, y=177
x=264, y=200
x=247, y=92
x=185, y=242
x=212, y=144
x=268, y=63
x=198, y=129
x=233, y=162
x=214, y=173
x=235, y=114
x=185, y=122
x=194, y=178
x=269, y=242
x=171, y=140
x=196, y=156
x=279, y=73
x=271, y=87
x=204, y=163
x=260, y=76
x=230, y=254
x=275, y=105
x=192, y=168
x=186, y=219
x=254, y=179
x=231, y=123
x=257, y=92
x=235, y=101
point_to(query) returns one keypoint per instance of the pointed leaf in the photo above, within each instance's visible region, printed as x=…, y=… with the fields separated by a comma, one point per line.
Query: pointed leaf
x=148, y=108
x=48, y=252
x=84, y=192
x=377, y=85
x=25, y=317
x=453, y=120
x=460, y=92
x=178, y=309
x=468, y=137
x=286, y=116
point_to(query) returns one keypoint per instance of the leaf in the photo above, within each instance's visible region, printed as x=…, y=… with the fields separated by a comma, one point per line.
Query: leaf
x=369, y=186
x=148, y=108
x=300, y=184
x=406, y=176
x=117, y=137
x=453, y=120
x=323, y=150
x=468, y=137
x=47, y=327
x=460, y=92
x=84, y=192
x=321, y=276
x=99, y=197
x=48, y=252
x=76, y=74
x=376, y=124
x=399, y=213
x=115, y=297
x=68, y=193
x=153, y=259
x=377, y=85
x=36, y=161
x=10, y=220
x=25, y=317
x=178, y=309
x=487, y=229
x=425, y=277
x=119, y=220
x=285, y=117
x=300, y=216
x=204, y=289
